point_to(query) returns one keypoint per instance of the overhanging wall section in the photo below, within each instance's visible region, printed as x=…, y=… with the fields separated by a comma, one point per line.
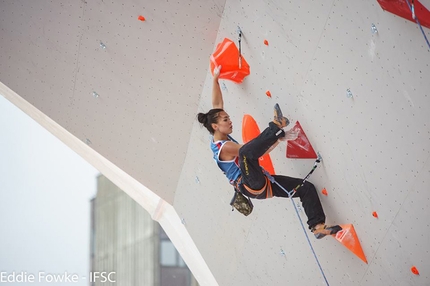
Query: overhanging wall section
x=126, y=87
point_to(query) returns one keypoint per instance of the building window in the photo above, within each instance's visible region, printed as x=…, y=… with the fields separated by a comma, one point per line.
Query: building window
x=168, y=254
x=173, y=270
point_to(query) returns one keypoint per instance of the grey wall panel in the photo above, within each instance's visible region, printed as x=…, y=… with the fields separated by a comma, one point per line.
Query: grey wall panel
x=147, y=74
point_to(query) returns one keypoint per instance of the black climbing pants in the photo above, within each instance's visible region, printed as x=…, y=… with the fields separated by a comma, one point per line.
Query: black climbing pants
x=255, y=184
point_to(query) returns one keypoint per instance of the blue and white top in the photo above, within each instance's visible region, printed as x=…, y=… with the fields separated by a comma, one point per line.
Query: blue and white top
x=230, y=168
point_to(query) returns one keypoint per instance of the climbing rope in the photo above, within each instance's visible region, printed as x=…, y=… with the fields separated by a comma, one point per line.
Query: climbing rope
x=290, y=195
x=411, y=7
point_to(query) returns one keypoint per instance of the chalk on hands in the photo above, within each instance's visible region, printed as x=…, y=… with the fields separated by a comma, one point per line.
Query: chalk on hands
x=217, y=70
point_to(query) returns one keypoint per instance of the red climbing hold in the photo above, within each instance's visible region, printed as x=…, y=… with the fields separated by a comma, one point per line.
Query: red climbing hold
x=401, y=8
x=300, y=148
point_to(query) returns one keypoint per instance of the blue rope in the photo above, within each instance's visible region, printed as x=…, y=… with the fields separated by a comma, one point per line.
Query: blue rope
x=418, y=22
x=290, y=195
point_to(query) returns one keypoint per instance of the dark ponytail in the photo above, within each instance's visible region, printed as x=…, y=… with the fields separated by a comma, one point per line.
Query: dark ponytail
x=206, y=119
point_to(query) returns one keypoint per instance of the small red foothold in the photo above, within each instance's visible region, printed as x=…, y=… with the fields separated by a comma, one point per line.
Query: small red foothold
x=141, y=18
x=375, y=214
x=324, y=192
x=415, y=270
x=268, y=94
x=266, y=42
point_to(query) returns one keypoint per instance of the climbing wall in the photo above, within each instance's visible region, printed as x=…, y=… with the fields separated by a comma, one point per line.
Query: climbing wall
x=354, y=76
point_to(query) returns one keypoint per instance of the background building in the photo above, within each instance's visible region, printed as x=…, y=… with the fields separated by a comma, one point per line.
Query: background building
x=127, y=241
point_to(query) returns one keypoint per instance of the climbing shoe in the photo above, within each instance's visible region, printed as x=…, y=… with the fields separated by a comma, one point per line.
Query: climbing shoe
x=325, y=230
x=278, y=118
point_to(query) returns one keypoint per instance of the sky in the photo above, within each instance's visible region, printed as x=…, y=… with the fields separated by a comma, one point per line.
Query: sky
x=45, y=193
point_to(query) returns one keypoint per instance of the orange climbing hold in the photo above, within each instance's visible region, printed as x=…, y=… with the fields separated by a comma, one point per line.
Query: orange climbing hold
x=348, y=237
x=375, y=214
x=141, y=18
x=227, y=55
x=268, y=94
x=324, y=192
x=415, y=270
x=250, y=130
x=266, y=42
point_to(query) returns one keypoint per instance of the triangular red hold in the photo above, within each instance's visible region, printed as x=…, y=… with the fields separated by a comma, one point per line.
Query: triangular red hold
x=300, y=148
x=401, y=9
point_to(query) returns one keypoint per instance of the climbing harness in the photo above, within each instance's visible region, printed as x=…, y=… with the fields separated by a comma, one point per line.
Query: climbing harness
x=290, y=195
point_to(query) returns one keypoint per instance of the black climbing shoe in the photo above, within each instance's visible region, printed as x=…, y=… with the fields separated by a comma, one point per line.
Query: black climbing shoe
x=326, y=230
x=278, y=118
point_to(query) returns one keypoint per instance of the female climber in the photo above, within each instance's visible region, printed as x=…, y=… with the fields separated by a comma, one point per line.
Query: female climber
x=240, y=162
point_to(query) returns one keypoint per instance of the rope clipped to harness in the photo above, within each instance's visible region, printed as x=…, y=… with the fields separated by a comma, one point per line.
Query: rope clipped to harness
x=293, y=191
x=290, y=195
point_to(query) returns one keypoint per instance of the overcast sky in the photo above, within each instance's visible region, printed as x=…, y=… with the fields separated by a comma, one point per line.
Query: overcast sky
x=45, y=192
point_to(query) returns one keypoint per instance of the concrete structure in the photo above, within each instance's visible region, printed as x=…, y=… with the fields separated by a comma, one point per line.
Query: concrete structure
x=128, y=247
x=124, y=95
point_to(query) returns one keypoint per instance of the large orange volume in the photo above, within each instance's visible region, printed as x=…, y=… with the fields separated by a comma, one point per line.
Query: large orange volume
x=226, y=55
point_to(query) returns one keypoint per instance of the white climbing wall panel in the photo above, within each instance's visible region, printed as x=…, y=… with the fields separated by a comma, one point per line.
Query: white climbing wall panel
x=375, y=144
x=131, y=90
